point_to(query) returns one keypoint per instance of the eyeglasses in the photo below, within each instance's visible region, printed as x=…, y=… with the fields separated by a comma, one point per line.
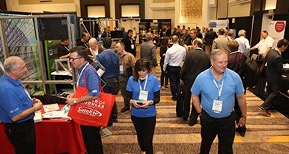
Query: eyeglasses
x=72, y=59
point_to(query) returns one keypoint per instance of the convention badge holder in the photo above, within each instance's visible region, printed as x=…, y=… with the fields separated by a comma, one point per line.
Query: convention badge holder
x=120, y=69
x=143, y=95
x=217, y=106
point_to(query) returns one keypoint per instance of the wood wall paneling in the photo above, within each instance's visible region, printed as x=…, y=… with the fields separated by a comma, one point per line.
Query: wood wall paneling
x=25, y=2
x=119, y=3
x=282, y=7
x=222, y=9
x=3, y=5
x=85, y=3
x=257, y=5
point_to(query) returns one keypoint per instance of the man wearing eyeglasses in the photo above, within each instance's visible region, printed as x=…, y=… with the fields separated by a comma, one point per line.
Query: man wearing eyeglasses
x=87, y=79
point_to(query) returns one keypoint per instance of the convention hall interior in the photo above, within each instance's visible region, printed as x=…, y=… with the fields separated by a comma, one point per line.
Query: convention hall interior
x=33, y=29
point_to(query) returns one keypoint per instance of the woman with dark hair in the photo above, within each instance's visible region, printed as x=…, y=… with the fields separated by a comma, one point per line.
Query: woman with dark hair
x=143, y=91
x=163, y=50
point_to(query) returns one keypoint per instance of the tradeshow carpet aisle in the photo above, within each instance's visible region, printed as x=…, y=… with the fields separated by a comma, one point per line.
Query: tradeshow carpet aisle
x=174, y=136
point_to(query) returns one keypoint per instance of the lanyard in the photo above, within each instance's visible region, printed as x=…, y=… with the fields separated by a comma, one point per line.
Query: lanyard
x=219, y=87
x=85, y=44
x=25, y=91
x=66, y=48
x=79, y=76
x=144, y=84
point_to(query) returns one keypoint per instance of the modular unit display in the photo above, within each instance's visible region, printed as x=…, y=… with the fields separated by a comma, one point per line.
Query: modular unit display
x=50, y=47
x=21, y=41
x=20, y=36
x=143, y=28
x=153, y=24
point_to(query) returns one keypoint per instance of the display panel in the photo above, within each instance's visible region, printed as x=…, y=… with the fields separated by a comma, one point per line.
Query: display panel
x=21, y=41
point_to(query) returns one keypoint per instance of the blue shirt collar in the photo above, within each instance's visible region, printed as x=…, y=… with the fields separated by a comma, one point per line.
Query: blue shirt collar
x=80, y=69
x=14, y=82
x=212, y=76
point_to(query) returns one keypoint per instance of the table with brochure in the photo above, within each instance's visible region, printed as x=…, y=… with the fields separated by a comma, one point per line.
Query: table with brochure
x=55, y=133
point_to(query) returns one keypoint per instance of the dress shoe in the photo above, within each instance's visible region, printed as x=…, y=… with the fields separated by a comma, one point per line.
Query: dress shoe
x=124, y=109
x=192, y=123
x=264, y=111
x=163, y=88
x=241, y=131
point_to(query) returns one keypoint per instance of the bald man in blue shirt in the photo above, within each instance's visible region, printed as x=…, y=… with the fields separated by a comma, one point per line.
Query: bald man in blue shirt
x=17, y=107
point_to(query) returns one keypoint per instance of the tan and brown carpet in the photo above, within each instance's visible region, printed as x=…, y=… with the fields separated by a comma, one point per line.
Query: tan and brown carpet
x=265, y=135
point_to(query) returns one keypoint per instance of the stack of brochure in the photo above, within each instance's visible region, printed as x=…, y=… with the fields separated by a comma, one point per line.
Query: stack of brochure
x=52, y=111
x=37, y=116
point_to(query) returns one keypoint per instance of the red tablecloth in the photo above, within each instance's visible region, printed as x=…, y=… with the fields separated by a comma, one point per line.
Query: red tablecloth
x=52, y=136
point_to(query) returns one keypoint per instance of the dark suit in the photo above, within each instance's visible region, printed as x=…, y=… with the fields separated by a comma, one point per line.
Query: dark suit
x=209, y=38
x=128, y=42
x=195, y=62
x=237, y=63
x=273, y=76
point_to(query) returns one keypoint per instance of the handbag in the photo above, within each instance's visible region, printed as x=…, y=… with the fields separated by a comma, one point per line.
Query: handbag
x=94, y=112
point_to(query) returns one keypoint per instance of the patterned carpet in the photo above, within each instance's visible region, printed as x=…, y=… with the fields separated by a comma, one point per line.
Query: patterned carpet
x=265, y=135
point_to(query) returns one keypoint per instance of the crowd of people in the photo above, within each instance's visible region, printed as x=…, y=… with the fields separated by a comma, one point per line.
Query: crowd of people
x=210, y=65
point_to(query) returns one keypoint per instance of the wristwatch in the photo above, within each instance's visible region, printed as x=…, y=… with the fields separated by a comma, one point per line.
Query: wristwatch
x=74, y=101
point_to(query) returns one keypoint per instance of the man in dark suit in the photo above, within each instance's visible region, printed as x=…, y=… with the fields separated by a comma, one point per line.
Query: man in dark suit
x=195, y=62
x=189, y=41
x=273, y=74
x=129, y=43
x=209, y=38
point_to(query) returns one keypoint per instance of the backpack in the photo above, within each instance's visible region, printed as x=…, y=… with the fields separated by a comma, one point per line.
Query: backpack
x=251, y=73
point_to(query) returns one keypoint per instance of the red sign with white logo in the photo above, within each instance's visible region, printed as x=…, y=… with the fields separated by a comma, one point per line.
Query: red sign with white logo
x=279, y=26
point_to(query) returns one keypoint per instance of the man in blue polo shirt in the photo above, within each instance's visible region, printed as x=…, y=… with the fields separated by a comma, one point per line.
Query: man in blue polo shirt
x=109, y=59
x=17, y=107
x=88, y=89
x=218, y=86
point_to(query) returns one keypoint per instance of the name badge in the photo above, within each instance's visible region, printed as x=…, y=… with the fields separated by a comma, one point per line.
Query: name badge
x=120, y=69
x=217, y=106
x=143, y=95
x=132, y=46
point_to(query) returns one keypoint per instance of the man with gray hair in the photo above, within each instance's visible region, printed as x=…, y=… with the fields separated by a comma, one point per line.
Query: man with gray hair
x=17, y=107
x=196, y=61
x=174, y=58
x=93, y=47
x=243, y=42
x=126, y=64
x=221, y=42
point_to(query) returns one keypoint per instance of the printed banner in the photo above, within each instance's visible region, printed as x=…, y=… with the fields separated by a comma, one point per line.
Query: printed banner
x=276, y=30
x=217, y=24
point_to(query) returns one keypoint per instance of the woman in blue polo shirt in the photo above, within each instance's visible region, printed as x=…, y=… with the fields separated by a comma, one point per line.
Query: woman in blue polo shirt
x=144, y=92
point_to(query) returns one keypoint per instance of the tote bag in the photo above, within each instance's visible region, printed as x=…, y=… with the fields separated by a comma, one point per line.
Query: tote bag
x=94, y=112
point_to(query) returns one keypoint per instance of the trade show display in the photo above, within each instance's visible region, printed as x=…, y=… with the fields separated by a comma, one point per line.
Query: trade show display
x=24, y=36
